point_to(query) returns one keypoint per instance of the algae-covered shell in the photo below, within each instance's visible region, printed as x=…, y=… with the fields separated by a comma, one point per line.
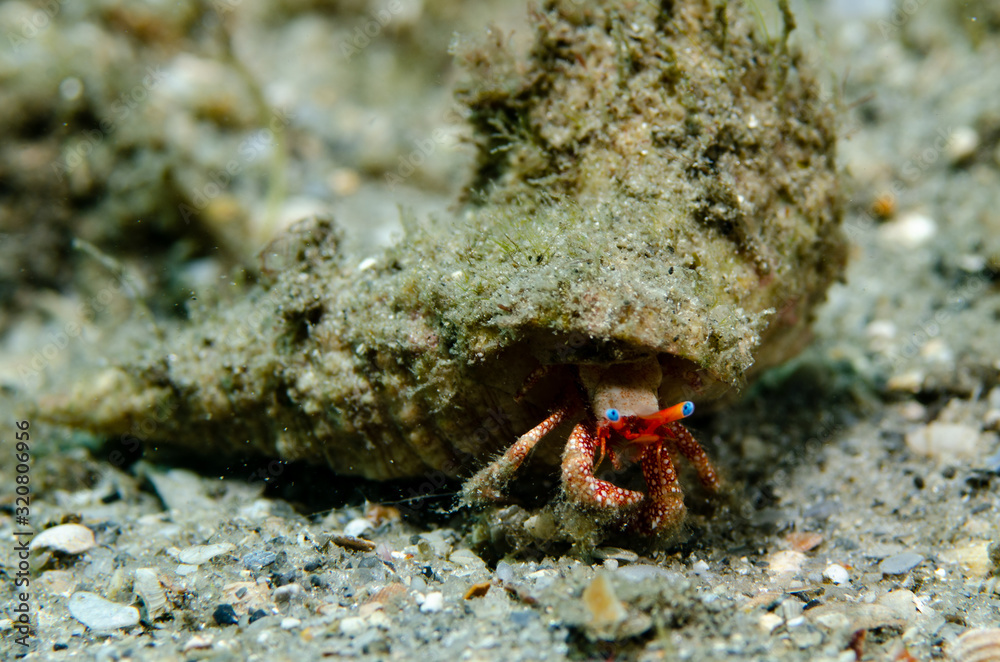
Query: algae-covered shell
x=652, y=181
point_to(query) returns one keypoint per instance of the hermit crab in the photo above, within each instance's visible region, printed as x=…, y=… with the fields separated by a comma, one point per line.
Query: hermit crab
x=621, y=421
x=653, y=216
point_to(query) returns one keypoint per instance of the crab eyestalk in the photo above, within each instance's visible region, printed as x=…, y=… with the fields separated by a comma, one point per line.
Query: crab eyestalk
x=642, y=429
x=617, y=422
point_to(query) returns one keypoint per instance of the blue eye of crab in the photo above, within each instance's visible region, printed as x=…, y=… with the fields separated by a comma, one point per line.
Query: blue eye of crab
x=612, y=415
x=688, y=408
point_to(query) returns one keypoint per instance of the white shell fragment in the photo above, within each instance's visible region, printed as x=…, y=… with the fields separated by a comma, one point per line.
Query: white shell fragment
x=147, y=587
x=65, y=538
x=963, y=144
x=980, y=645
x=357, y=526
x=606, y=610
x=909, y=231
x=837, y=574
x=433, y=602
x=99, y=614
x=198, y=554
x=944, y=441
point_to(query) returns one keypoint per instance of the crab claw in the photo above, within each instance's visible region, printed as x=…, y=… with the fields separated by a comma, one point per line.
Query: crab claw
x=578, y=480
x=663, y=509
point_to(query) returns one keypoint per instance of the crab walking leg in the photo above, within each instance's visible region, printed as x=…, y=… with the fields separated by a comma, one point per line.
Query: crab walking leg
x=489, y=482
x=689, y=447
x=664, y=506
x=578, y=480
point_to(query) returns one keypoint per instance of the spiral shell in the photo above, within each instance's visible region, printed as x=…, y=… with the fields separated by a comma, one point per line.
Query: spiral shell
x=653, y=182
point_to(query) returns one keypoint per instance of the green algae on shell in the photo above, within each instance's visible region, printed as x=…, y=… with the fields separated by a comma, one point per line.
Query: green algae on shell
x=652, y=181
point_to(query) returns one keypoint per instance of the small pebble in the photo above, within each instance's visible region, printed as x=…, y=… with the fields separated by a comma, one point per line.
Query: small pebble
x=350, y=542
x=972, y=558
x=379, y=620
x=618, y=554
x=834, y=621
x=523, y=618
x=99, y=614
x=606, y=610
x=353, y=625
x=290, y=623
x=71, y=88
x=992, y=463
x=478, y=590
x=287, y=592
x=971, y=262
x=258, y=560
x=645, y=572
x=198, y=642
x=146, y=585
x=837, y=574
x=900, y=564
x=902, y=602
x=909, y=231
x=803, y=541
x=357, y=526
x=881, y=330
x=257, y=615
x=963, y=143
x=790, y=609
x=65, y=538
x=944, y=441
x=805, y=635
x=344, y=181
x=198, y=554
x=224, y=614
x=433, y=602
x=911, y=381
x=769, y=621
x=505, y=572
x=466, y=558
x=786, y=562
x=282, y=578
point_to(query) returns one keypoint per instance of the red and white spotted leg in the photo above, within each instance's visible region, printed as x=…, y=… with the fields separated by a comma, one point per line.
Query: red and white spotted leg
x=489, y=482
x=578, y=481
x=664, y=506
x=689, y=447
